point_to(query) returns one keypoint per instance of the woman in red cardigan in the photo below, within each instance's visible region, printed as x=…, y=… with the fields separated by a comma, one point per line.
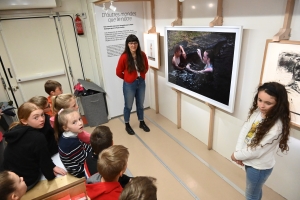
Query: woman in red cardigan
x=132, y=68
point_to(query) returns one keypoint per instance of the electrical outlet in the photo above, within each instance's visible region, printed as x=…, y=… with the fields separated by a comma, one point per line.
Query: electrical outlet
x=83, y=15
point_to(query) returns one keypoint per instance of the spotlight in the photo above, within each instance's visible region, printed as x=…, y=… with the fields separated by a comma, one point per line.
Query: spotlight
x=104, y=9
x=181, y=0
x=113, y=8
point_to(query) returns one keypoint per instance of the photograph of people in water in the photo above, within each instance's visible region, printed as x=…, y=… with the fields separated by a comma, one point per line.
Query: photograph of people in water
x=202, y=62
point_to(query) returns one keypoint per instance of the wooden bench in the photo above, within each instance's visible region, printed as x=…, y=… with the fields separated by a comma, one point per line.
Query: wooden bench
x=57, y=188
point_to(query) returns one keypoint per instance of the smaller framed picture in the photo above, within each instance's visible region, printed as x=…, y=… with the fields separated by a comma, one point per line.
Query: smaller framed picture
x=282, y=64
x=151, y=45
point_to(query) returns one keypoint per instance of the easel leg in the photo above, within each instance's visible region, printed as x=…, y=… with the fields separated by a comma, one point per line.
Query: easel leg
x=156, y=91
x=211, y=127
x=178, y=109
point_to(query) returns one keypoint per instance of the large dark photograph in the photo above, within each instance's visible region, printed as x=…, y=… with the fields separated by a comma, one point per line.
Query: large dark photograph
x=203, y=62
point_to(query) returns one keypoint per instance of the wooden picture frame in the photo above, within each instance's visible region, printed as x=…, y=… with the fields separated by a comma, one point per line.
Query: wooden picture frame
x=281, y=63
x=217, y=85
x=151, y=48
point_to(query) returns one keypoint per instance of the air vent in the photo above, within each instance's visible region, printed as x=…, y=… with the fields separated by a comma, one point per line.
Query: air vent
x=26, y=4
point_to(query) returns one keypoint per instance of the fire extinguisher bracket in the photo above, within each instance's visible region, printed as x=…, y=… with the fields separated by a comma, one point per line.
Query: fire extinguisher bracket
x=83, y=15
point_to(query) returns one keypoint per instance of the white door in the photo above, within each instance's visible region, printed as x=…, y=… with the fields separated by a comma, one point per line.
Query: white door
x=36, y=49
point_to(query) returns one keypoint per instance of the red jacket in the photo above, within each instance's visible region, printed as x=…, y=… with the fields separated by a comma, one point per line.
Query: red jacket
x=123, y=73
x=104, y=190
x=50, y=113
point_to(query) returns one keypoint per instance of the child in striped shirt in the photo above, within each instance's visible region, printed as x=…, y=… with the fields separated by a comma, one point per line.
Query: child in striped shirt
x=65, y=101
x=72, y=151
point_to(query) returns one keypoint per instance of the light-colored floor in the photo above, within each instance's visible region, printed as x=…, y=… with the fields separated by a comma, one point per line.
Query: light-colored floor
x=183, y=166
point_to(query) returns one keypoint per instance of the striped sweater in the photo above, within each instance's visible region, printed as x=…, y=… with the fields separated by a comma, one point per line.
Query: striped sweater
x=73, y=153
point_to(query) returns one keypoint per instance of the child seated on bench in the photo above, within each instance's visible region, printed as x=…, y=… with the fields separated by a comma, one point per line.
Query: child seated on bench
x=111, y=165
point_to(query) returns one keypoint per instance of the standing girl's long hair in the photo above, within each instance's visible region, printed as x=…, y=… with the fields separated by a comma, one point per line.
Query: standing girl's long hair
x=139, y=58
x=281, y=110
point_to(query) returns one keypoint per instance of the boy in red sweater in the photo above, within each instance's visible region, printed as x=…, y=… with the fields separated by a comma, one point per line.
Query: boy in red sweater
x=112, y=163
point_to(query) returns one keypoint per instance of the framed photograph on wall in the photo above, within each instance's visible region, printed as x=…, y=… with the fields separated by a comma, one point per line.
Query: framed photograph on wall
x=151, y=45
x=282, y=64
x=203, y=62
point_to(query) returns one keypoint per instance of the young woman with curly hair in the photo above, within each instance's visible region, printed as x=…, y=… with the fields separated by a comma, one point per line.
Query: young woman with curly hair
x=266, y=130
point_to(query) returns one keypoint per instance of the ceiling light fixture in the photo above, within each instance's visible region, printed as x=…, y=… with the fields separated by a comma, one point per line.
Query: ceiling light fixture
x=113, y=8
x=104, y=9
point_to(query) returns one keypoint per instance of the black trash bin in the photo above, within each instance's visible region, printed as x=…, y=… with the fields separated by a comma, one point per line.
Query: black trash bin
x=8, y=114
x=94, y=103
x=6, y=119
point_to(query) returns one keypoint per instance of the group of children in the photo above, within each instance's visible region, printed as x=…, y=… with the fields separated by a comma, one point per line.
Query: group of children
x=52, y=125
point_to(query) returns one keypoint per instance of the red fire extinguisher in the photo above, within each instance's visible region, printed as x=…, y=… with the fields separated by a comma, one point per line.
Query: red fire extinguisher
x=78, y=25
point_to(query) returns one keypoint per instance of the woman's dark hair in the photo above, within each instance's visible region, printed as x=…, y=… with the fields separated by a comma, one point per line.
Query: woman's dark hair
x=139, y=57
x=6, y=185
x=177, y=48
x=280, y=111
x=210, y=55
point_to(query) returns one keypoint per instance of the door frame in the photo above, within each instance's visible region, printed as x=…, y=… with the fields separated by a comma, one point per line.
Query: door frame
x=63, y=47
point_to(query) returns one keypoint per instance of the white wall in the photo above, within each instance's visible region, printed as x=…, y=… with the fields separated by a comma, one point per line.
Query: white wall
x=261, y=20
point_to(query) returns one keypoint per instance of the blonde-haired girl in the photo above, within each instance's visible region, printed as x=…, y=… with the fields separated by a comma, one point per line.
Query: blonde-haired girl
x=72, y=152
x=65, y=101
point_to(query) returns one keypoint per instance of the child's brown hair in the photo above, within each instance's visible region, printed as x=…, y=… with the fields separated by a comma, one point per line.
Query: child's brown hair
x=51, y=85
x=7, y=185
x=101, y=138
x=39, y=101
x=140, y=188
x=112, y=162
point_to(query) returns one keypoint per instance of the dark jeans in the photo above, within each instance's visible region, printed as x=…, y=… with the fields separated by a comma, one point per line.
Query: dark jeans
x=134, y=90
